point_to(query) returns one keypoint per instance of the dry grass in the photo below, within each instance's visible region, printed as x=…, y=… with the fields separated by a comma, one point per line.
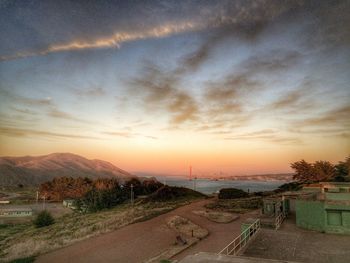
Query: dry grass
x=239, y=205
x=217, y=217
x=26, y=240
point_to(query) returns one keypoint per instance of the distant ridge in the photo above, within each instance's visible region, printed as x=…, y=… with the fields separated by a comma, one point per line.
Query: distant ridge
x=34, y=170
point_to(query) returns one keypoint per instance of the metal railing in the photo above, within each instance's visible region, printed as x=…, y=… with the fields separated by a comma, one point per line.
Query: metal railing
x=279, y=219
x=239, y=242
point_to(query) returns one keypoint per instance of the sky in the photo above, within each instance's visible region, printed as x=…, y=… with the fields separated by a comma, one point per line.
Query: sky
x=229, y=87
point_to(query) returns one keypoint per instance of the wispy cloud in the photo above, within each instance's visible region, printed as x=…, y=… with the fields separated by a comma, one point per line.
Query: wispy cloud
x=90, y=92
x=289, y=100
x=338, y=116
x=22, y=100
x=24, y=111
x=18, y=132
x=106, y=27
x=268, y=135
x=128, y=134
x=113, y=41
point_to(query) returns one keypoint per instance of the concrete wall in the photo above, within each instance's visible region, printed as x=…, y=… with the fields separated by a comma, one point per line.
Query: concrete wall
x=310, y=214
x=323, y=216
x=337, y=196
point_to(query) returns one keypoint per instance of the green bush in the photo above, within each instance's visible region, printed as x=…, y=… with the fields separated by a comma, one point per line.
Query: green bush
x=232, y=193
x=44, y=218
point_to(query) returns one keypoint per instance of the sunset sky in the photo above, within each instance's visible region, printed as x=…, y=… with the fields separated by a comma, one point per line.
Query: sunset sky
x=229, y=87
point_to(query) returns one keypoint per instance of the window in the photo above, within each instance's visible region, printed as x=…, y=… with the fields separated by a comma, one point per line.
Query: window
x=334, y=218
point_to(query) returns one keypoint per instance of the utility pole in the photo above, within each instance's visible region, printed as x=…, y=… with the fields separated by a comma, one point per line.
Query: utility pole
x=132, y=194
x=190, y=172
x=44, y=202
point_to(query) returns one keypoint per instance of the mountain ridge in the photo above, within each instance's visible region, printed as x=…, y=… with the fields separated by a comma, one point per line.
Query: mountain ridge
x=34, y=170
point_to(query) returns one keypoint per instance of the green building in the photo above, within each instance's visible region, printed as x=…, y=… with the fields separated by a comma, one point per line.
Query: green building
x=326, y=208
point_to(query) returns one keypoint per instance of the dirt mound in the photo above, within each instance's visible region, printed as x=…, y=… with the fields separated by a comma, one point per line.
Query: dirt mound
x=186, y=227
x=218, y=217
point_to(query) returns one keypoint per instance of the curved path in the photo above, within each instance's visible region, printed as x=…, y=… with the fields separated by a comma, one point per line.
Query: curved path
x=144, y=240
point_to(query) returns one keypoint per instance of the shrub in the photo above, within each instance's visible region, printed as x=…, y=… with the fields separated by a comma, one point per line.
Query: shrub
x=44, y=218
x=232, y=193
x=166, y=193
x=24, y=260
x=293, y=186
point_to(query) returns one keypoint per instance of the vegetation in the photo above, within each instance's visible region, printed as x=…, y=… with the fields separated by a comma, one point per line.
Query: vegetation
x=96, y=200
x=166, y=193
x=24, y=260
x=321, y=171
x=293, y=186
x=232, y=193
x=67, y=187
x=44, y=218
x=342, y=171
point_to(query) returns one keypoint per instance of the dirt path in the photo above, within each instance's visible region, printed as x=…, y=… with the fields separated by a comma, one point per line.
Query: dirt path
x=140, y=241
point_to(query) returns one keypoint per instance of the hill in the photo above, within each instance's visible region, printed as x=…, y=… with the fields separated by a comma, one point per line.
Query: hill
x=261, y=177
x=34, y=170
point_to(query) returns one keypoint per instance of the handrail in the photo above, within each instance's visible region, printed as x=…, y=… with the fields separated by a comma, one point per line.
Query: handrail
x=279, y=219
x=239, y=242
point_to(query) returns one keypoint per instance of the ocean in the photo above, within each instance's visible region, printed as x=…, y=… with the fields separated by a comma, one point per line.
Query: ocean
x=207, y=186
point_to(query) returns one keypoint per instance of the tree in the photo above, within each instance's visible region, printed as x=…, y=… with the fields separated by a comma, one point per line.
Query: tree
x=323, y=171
x=137, y=186
x=150, y=185
x=342, y=171
x=97, y=199
x=44, y=218
x=304, y=171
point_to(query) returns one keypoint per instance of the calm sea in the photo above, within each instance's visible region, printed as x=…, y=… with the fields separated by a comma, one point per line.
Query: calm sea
x=209, y=186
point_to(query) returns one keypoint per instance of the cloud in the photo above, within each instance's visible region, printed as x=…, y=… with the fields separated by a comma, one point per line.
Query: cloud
x=58, y=114
x=124, y=134
x=90, y=92
x=18, y=132
x=292, y=99
x=272, y=61
x=268, y=135
x=338, y=117
x=159, y=90
x=112, y=41
x=129, y=134
x=56, y=27
x=24, y=111
x=19, y=99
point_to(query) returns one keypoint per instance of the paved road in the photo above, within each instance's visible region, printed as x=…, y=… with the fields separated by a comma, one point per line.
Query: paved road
x=144, y=240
